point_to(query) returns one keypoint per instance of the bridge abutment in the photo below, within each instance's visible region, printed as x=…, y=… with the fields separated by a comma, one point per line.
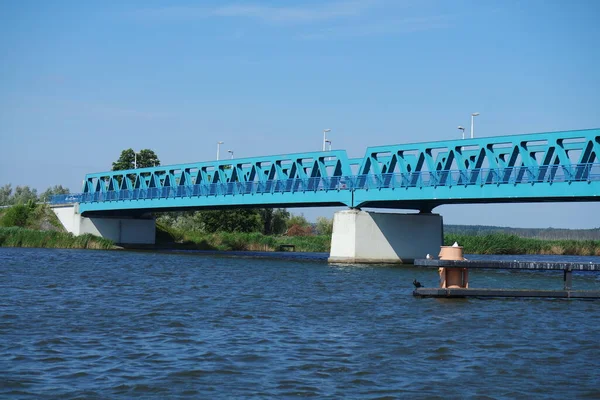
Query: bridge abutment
x=369, y=237
x=119, y=230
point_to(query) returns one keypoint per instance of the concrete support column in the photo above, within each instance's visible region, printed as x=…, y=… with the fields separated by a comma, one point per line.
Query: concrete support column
x=119, y=230
x=369, y=237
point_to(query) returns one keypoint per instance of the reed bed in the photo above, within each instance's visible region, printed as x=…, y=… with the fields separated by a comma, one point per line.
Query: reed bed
x=253, y=242
x=500, y=243
x=22, y=237
x=497, y=243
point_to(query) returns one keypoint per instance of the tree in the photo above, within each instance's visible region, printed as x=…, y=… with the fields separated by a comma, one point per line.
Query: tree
x=5, y=195
x=324, y=226
x=274, y=220
x=280, y=218
x=23, y=194
x=129, y=159
x=16, y=215
x=297, y=225
x=235, y=220
x=266, y=215
x=147, y=158
x=53, y=191
x=298, y=220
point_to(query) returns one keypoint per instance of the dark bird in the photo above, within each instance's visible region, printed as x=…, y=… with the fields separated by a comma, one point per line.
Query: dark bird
x=417, y=284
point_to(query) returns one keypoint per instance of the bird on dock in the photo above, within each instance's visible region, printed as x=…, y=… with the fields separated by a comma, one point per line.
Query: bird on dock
x=417, y=284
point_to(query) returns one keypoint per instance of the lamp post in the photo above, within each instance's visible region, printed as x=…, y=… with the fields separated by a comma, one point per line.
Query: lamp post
x=218, y=149
x=328, y=141
x=463, y=131
x=134, y=160
x=230, y=152
x=472, y=119
x=325, y=137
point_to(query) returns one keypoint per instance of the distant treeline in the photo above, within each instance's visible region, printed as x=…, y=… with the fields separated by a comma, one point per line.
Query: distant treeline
x=533, y=233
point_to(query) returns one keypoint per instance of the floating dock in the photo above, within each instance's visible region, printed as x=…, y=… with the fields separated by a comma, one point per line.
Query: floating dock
x=566, y=267
x=461, y=293
x=480, y=264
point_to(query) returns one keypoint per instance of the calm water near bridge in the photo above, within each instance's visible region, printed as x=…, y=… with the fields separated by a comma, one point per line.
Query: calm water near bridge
x=118, y=324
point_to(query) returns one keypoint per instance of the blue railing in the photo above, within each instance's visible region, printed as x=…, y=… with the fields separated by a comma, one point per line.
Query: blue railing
x=472, y=177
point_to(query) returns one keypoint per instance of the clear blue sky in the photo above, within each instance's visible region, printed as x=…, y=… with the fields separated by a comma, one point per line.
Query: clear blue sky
x=81, y=80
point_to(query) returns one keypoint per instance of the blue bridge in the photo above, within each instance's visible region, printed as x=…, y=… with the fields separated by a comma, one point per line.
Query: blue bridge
x=541, y=167
x=557, y=166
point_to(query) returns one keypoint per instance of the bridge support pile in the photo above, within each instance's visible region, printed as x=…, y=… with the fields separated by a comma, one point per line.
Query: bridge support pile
x=368, y=237
x=119, y=230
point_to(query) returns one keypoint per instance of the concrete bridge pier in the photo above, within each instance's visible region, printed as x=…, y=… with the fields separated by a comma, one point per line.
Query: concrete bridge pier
x=370, y=237
x=119, y=230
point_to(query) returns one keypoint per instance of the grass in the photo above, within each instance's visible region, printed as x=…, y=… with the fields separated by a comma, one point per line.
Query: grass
x=31, y=216
x=31, y=225
x=501, y=243
x=23, y=237
x=42, y=229
x=497, y=243
x=227, y=241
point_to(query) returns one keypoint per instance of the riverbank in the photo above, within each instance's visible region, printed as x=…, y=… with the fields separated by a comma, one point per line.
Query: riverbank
x=498, y=243
x=168, y=238
x=238, y=241
x=23, y=237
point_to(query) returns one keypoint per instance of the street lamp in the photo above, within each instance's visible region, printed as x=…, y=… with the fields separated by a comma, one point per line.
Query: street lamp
x=324, y=137
x=463, y=131
x=472, y=118
x=230, y=152
x=218, y=149
x=329, y=149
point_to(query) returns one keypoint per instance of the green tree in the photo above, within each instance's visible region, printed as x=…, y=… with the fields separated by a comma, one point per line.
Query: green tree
x=297, y=225
x=129, y=159
x=274, y=220
x=266, y=214
x=52, y=191
x=324, y=226
x=17, y=215
x=5, y=195
x=297, y=220
x=23, y=194
x=234, y=220
x=279, y=223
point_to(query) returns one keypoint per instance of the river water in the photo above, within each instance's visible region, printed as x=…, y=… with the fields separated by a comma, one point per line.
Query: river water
x=118, y=324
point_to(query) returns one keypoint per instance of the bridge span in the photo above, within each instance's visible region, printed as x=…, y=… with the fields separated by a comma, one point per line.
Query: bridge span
x=555, y=166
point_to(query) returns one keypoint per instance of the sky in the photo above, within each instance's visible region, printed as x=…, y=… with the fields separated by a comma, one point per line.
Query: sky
x=82, y=81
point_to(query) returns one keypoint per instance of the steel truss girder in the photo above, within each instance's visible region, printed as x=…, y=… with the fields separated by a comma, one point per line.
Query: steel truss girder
x=557, y=165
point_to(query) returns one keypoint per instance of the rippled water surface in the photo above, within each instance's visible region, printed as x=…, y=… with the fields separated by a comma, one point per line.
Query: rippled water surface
x=116, y=324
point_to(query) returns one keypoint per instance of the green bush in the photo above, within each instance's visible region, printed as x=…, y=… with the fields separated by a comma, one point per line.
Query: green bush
x=16, y=216
x=21, y=237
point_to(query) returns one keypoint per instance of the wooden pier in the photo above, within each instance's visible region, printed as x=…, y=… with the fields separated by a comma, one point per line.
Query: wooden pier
x=566, y=267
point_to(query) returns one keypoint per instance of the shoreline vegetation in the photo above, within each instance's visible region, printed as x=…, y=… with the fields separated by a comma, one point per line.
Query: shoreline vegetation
x=22, y=237
x=489, y=244
x=31, y=225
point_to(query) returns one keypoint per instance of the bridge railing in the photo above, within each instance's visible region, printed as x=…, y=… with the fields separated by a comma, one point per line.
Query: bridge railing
x=477, y=176
x=481, y=176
